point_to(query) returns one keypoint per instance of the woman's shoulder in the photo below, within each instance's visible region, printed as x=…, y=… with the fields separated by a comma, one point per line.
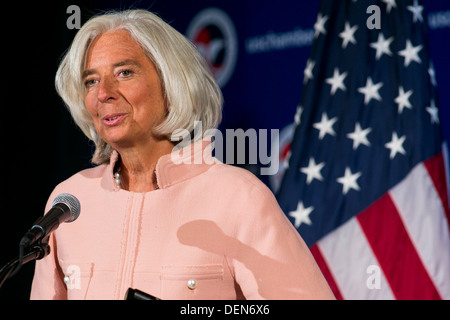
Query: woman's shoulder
x=83, y=178
x=88, y=174
x=225, y=175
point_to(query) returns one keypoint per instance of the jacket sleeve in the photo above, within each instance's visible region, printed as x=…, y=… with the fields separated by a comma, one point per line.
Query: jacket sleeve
x=271, y=260
x=48, y=278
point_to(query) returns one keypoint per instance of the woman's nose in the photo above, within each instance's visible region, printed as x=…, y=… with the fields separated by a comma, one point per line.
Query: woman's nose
x=107, y=90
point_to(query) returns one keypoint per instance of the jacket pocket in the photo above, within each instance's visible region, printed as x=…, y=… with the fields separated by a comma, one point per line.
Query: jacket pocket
x=191, y=282
x=87, y=281
x=77, y=278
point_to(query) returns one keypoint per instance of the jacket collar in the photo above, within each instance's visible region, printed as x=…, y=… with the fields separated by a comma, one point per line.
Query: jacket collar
x=179, y=165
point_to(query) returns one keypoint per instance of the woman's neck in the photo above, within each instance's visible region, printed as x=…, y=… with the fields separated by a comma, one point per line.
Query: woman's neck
x=137, y=166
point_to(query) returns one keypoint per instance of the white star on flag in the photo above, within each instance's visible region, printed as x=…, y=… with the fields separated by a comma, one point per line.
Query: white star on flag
x=348, y=35
x=382, y=46
x=319, y=26
x=298, y=115
x=348, y=181
x=325, y=126
x=411, y=53
x=370, y=91
x=312, y=171
x=301, y=215
x=390, y=4
x=434, y=112
x=396, y=145
x=432, y=74
x=403, y=99
x=307, y=73
x=416, y=11
x=359, y=136
x=337, y=81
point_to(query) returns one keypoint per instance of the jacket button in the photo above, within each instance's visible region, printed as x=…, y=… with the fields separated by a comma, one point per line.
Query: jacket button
x=191, y=284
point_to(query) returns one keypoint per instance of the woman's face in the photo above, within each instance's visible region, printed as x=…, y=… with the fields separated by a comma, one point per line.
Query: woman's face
x=123, y=93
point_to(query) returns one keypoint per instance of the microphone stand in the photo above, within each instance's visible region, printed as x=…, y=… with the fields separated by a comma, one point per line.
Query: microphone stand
x=36, y=252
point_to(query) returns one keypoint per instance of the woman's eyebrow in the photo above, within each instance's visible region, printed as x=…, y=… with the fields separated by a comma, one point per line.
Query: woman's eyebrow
x=126, y=62
x=87, y=73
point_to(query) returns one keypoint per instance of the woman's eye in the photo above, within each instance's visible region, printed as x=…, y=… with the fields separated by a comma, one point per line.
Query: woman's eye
x=126, y=73
x=89, y=83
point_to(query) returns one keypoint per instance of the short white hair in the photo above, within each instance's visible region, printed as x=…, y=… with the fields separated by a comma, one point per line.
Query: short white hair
x=189, y=87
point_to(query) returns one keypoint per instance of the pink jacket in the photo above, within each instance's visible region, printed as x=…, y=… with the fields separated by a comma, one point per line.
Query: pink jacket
x=211, y=231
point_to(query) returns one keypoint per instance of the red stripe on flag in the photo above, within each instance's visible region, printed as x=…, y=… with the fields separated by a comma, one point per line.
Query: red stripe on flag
x=436, y=169
x=395, y=252
x=325, y=271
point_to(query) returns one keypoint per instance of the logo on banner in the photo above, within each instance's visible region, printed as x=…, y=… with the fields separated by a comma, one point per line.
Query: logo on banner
x=213, y=32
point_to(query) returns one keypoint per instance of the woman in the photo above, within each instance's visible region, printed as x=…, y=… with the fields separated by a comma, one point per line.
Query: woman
x=173, y=229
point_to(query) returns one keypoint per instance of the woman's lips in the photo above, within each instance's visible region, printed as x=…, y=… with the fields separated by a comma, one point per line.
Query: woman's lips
x=113, y=119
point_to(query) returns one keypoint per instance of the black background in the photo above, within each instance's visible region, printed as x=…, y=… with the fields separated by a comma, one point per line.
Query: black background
x=40, y=144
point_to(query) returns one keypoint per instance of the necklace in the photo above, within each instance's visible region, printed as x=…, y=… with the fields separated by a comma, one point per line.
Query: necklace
x=117, y=178
x=119, y=182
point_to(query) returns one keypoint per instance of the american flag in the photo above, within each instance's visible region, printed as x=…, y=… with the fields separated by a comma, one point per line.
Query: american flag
x=365, y=182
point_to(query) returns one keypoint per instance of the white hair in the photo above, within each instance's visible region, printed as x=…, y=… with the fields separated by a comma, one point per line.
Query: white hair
x=188, y=84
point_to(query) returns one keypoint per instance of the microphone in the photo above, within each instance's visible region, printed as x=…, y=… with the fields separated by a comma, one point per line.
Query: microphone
x=65, y=208
x=135, y=294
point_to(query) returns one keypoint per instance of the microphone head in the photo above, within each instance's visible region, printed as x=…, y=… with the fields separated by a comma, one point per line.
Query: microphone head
x=71, y=202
